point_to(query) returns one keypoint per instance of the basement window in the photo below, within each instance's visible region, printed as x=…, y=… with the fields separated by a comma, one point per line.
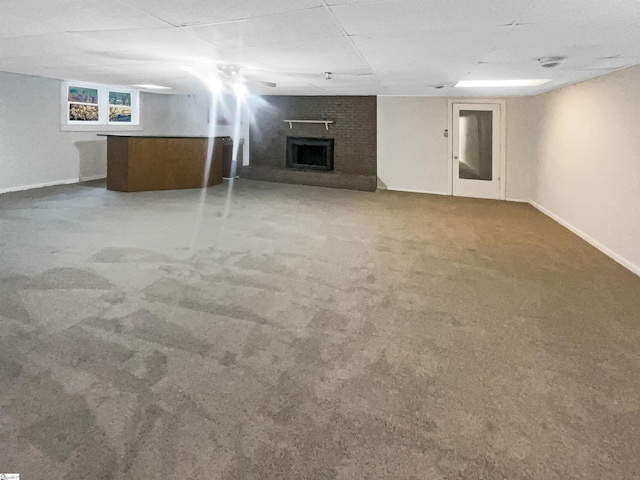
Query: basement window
x=92, y=106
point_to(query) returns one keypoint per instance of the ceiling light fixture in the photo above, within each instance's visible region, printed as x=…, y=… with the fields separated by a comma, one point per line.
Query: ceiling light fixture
x=150, y=86
x=501, y=83
x=215, y=85
x=229, y=70
x=240, y=89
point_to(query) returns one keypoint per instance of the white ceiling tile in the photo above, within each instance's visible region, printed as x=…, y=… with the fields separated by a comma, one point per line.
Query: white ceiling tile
x=199, y=12
x=63, y=61
x=407, y=16
x=15, y=26
x=572, y=40
x=407, y=54
x=49, y=44
x=167, y=44
x=415, y=88
x=341, y=80
x=510, y=71
x=17, y=17
x=406, y=46
x=347, y=2
x=301, y=25
x=568, y=12
x=614, y=63
x=332, y=54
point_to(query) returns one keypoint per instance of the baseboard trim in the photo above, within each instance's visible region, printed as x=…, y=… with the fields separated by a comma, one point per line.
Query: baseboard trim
x=408, y=190
x=88, y=178
x=604, y=249
x=39, y=185
x=519, y=200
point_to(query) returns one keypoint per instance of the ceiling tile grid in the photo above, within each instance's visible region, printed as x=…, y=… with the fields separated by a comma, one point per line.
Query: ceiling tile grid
x=372, y=47
x=200, y=12
x=289, y=27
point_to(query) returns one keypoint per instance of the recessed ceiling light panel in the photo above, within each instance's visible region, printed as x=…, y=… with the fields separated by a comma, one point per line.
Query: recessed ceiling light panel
x=501, y=83
x=150, y=86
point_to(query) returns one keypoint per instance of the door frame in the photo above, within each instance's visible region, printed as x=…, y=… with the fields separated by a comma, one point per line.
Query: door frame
x=502, y=158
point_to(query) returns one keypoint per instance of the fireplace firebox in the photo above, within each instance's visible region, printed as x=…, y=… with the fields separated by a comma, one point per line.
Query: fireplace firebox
x=306, y=153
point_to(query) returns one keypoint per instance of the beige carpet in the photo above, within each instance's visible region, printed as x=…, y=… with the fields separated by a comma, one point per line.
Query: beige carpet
x=290, y=332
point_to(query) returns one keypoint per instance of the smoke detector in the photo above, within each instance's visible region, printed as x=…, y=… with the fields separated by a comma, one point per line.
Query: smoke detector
x=551, y=62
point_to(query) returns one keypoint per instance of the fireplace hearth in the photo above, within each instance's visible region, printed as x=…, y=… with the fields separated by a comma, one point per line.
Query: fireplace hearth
x=307, y=153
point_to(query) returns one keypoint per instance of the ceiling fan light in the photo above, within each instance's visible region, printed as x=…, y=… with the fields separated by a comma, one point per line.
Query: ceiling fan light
x=151, y=86
x=240, y=89
x=215, y=85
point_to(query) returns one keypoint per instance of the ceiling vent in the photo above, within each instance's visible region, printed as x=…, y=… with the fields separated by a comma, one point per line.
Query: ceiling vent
x=551, y=62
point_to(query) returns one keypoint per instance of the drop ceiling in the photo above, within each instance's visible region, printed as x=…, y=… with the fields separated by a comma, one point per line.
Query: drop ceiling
x=373, y=47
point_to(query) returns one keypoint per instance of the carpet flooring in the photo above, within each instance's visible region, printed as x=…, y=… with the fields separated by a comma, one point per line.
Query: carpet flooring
x=268, y=331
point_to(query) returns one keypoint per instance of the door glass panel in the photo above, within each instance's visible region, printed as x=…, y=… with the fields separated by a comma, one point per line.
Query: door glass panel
x=476, y=145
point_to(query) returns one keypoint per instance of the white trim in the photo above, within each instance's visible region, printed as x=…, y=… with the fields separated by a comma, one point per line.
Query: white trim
x=76, y=127
x=429, y=192
x=503, y=139
x=606, y=250
x=409, y=190
x=450, y=148
x=93, y=177
x=503, y=149
x=39, y=185
x=103, y=122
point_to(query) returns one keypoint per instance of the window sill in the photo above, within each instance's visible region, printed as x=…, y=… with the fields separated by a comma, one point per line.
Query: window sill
x=100, y=128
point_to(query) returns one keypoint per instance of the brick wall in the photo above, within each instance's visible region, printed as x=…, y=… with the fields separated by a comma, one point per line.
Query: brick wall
x=353, y=130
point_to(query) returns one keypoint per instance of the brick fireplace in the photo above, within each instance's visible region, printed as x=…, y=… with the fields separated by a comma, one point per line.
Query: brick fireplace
x=341, y=154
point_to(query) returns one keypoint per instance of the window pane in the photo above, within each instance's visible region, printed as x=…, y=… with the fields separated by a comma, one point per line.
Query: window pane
x=120, y=114
x=83, y=95
x=120, y=98
x=476, y=145
x=83, y=113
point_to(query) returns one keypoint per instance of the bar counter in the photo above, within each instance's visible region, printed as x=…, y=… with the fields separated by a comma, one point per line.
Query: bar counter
x=144, y=163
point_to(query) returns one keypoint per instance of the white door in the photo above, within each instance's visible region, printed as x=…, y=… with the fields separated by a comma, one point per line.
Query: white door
x=477, y=150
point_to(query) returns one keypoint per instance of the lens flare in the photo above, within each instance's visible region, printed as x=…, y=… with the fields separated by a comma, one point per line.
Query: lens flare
x=240, y=89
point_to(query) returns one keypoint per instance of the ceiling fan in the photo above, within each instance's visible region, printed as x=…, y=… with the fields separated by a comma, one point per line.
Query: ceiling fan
x=231, y=73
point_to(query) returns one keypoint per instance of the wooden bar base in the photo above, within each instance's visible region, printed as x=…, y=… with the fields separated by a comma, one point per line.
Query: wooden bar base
x=136, y=163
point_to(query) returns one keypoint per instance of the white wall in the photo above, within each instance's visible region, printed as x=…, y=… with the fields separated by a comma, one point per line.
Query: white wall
x=573, y=152
x=523, y=119
x=34, y=151
x=588, y=161
x=188, y=115
x=412, y=148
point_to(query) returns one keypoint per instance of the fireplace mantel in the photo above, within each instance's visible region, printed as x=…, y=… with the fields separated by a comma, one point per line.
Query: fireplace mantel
x=291, y=122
